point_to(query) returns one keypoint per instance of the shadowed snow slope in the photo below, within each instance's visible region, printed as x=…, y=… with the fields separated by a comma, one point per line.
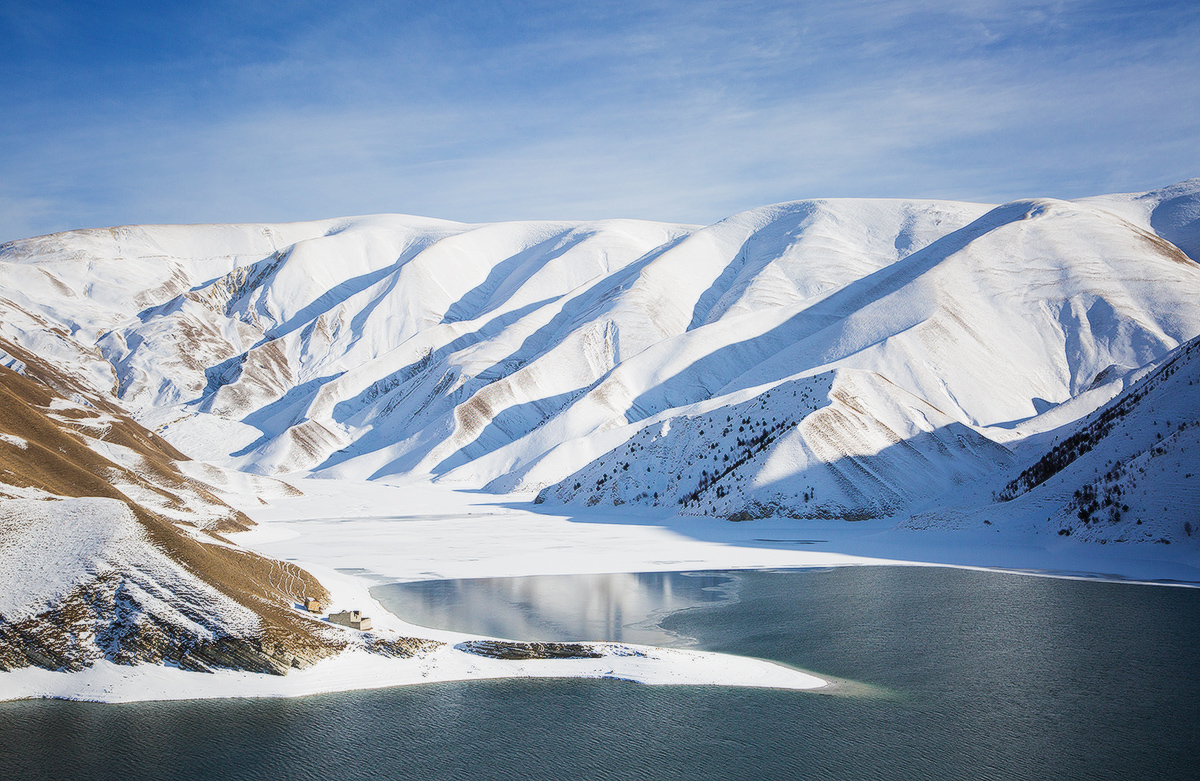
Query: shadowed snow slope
x=1126, y=473
x=835, y=358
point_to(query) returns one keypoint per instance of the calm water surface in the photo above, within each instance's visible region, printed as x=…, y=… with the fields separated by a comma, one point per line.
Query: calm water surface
x=972, y=674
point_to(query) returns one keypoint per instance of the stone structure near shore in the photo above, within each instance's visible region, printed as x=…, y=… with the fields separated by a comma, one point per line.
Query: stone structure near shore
x=351, y=618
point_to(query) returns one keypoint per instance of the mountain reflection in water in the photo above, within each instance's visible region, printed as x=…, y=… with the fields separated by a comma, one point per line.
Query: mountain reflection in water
x=622, y=607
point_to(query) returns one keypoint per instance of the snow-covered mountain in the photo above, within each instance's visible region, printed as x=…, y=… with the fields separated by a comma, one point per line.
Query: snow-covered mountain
x=834, y=358
x=872, y=353
x=950, y=365
x=910, y=380
x=1127, y=472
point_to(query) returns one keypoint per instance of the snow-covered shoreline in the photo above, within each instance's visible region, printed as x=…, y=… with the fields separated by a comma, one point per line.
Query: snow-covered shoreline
x=357, y=670
x=353, y=536
x=423, y=531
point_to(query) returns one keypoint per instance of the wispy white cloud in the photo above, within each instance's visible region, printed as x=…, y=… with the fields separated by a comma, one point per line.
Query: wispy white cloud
x=660, y=110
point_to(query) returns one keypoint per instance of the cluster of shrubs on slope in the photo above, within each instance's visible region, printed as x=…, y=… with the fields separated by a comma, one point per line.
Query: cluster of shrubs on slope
x=1104, y=499
x=1095, y=503
x=697, y=463
x=747, y=449
x=1061, y=455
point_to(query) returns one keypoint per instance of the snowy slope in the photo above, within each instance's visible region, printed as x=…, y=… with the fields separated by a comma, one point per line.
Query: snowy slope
x=1172, y=213
x=845, y=444
x=108, y=551
x=1129, y=472
x=883, y=352
x=94, y=536
x=1030, y=306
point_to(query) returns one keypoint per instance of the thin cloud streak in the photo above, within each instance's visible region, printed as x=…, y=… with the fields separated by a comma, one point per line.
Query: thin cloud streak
x=658, y=114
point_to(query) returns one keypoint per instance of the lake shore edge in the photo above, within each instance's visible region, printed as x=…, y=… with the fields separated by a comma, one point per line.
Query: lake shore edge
x=449, y=535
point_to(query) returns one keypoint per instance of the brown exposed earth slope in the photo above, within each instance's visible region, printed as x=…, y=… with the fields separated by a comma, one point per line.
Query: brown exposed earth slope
x=62, y=443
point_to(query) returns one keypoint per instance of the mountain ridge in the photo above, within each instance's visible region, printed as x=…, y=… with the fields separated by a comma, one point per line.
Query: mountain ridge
x=345, y=351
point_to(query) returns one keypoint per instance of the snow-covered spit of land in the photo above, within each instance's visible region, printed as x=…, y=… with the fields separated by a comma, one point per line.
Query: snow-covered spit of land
x=304, y=531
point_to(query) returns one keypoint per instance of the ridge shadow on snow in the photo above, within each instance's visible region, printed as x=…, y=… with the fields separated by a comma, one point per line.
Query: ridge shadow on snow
x=817, y=317
x=1079, y=480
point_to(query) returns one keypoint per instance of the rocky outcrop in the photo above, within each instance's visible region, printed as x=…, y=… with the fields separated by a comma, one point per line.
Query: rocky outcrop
x=106, y=619
x=504, y=649
x=399, y=647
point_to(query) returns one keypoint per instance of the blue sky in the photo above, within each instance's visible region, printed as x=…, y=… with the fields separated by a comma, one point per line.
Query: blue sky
x=273, y=111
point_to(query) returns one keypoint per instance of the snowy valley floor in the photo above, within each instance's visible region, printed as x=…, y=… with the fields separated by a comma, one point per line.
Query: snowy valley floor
x=353, y=536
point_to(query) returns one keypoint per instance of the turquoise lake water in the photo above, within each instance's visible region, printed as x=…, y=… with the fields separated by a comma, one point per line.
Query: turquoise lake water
x=958, y=674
